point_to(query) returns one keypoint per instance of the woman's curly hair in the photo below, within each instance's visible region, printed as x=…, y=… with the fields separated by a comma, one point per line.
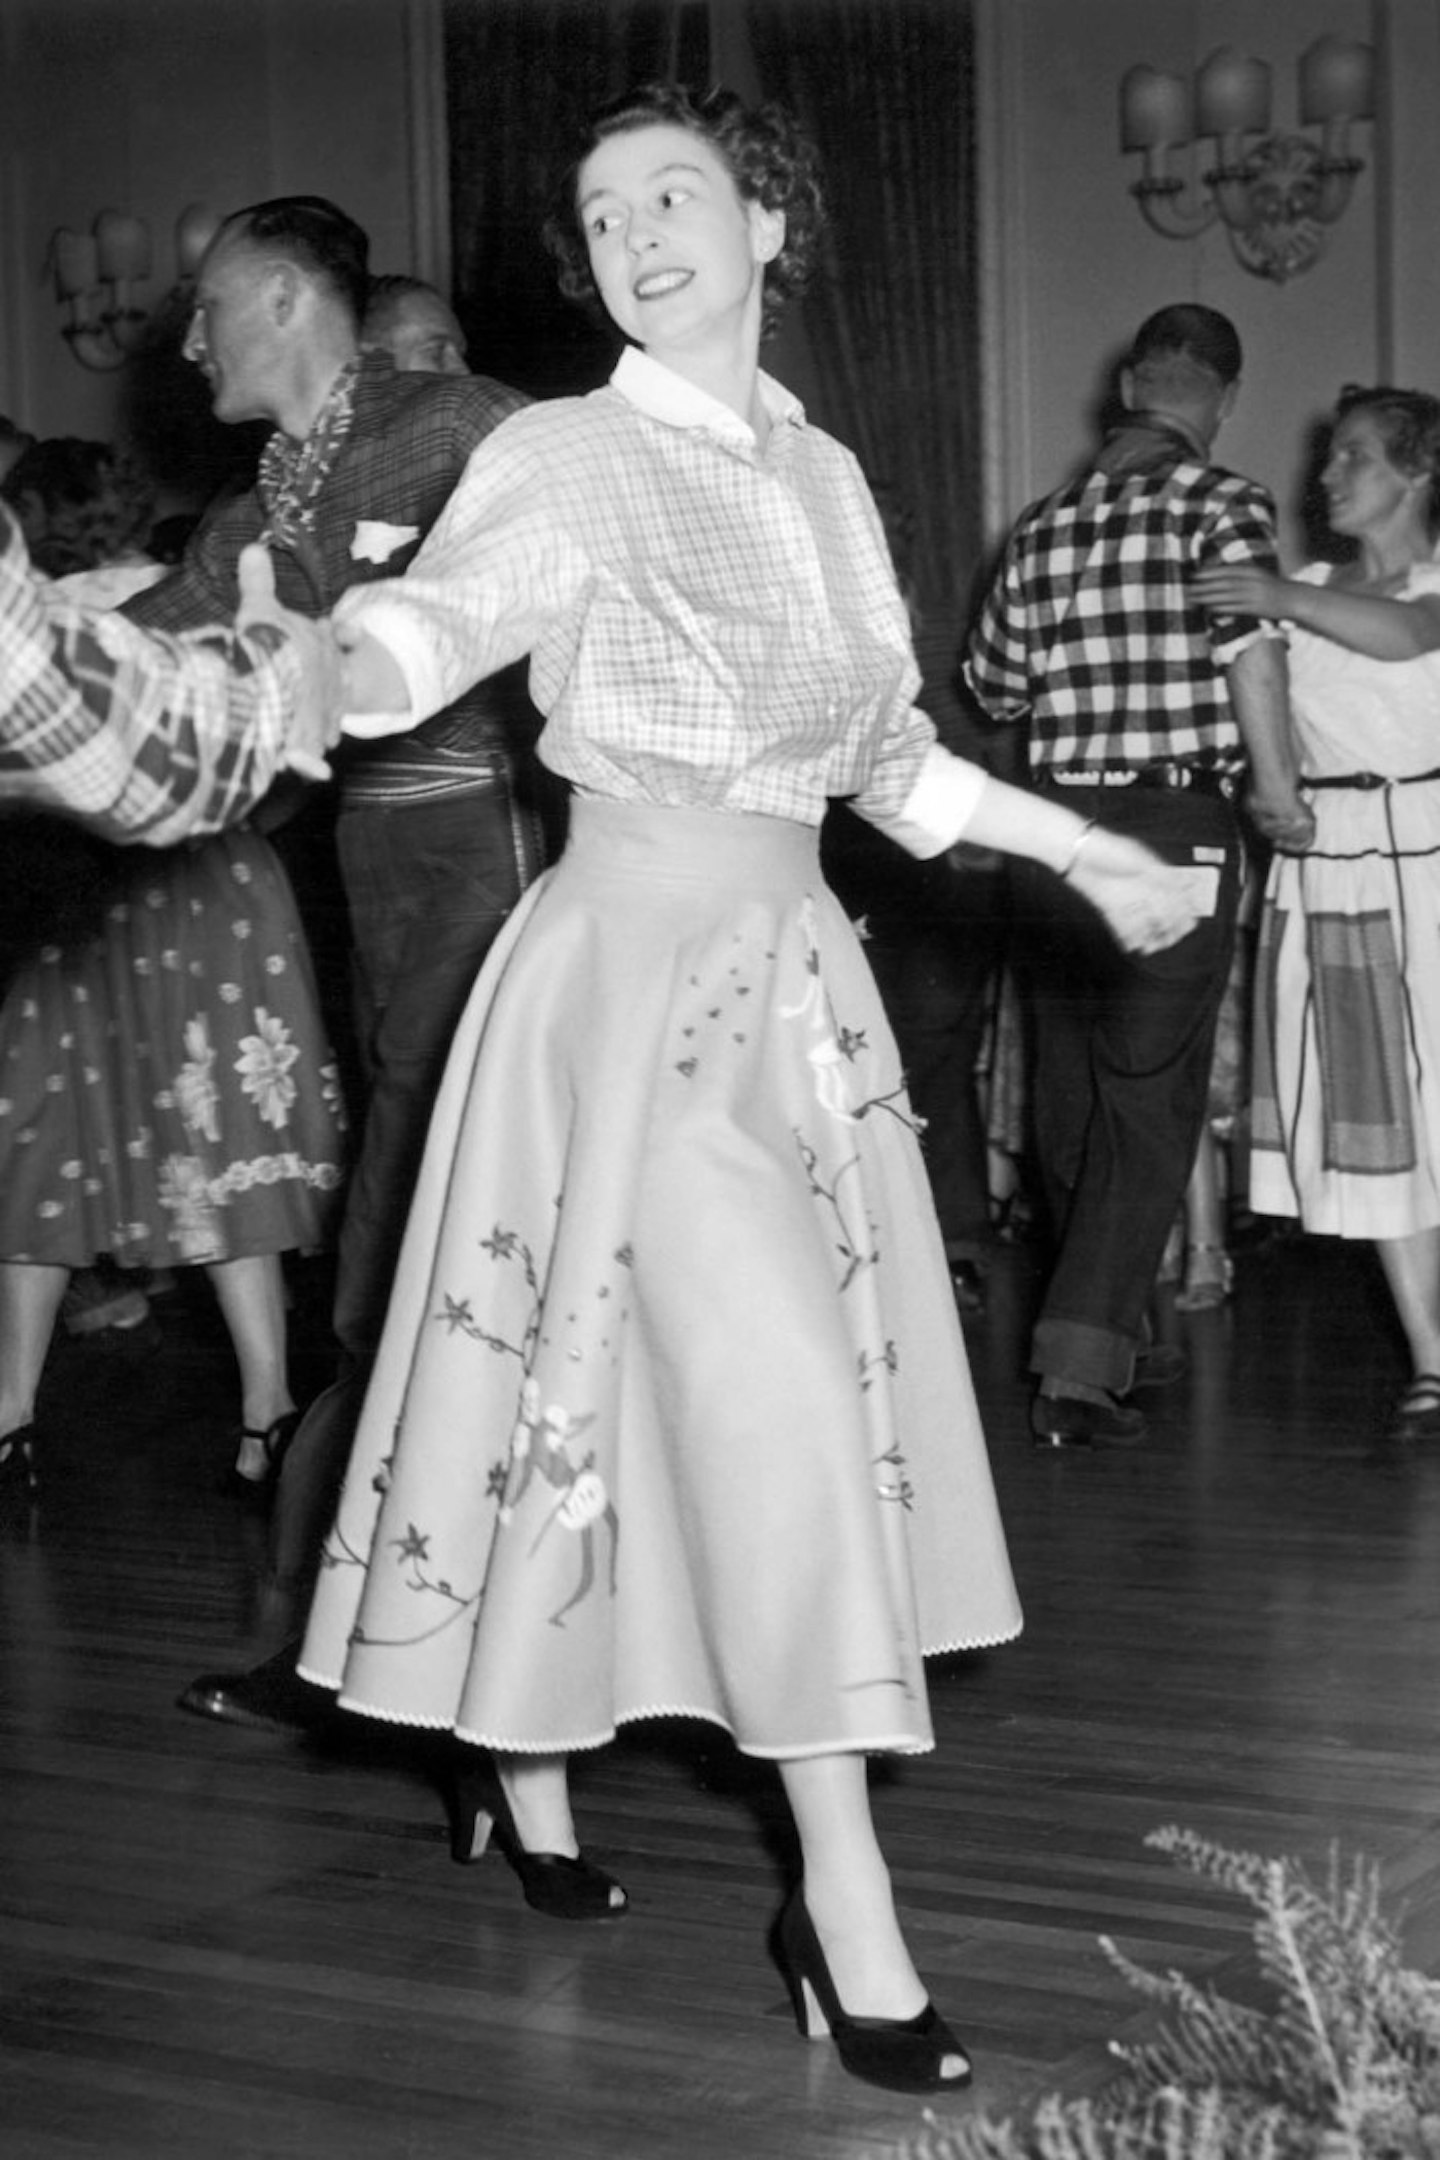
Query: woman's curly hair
x=770, y=159
x=1409, y=426
x=80, y=504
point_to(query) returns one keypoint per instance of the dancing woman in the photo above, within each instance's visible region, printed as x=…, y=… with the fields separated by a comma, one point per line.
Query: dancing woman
x=672, y=1414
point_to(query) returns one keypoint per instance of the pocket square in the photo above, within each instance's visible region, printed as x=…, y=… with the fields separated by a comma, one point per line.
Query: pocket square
x=375, y=541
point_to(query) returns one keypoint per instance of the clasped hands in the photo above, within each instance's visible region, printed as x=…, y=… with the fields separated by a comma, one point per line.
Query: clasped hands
x=314, y=726
x=1148, y=904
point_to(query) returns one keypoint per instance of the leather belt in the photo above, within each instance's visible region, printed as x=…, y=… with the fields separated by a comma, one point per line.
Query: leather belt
x=1203, y=779
x=1367, y=779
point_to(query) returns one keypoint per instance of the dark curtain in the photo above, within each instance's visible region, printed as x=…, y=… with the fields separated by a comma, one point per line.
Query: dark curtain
x=521, y=75
x=886, y=90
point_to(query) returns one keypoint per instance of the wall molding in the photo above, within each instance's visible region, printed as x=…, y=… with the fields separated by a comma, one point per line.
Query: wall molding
x=429, y=144
x=19, y=279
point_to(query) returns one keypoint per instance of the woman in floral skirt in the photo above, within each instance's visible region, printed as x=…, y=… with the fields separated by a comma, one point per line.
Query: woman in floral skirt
x=167, y=1092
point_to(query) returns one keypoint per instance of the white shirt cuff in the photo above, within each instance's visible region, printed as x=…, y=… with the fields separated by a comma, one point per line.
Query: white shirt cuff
x=940, y=805
x=394, y=626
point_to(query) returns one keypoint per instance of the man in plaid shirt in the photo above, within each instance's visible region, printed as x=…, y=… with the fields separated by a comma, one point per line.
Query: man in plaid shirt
x=1144, y=714
x=138, y=736
x=435, y=836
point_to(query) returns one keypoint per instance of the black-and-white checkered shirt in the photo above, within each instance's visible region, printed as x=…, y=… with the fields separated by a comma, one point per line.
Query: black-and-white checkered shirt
x=1089, y=629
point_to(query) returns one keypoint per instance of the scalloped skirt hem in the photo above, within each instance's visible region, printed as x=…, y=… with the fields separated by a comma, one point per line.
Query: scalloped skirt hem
x=589, y=1742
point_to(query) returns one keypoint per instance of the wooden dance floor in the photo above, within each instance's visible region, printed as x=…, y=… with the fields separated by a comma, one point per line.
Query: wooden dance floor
x=217, y=1942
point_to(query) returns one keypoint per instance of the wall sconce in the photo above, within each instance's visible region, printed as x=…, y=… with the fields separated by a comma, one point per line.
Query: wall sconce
x=1278, y=195
x=96, y=274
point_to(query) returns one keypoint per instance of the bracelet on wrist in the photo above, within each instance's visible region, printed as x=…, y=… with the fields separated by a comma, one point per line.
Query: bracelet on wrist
x=1079, y=841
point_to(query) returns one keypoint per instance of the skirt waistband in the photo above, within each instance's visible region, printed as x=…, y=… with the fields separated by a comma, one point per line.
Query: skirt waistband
x=636, y=839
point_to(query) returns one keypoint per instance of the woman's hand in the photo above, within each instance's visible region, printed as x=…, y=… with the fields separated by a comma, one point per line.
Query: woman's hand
x=1148, y=904
x=314, y=726
x=1240, y=589
x=1281, y=815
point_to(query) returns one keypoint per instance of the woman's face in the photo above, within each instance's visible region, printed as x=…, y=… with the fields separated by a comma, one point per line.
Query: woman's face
x=676, y=252
x=1364, y=490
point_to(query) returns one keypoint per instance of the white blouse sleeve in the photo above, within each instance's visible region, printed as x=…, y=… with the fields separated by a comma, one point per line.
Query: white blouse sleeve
x=497, y=565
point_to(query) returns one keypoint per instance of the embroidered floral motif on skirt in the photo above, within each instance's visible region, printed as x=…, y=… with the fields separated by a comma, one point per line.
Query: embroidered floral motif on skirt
x=672, y=1413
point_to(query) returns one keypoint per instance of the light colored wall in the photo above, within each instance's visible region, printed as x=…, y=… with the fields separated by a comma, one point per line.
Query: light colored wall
x=148, y=105
x=1071, y=267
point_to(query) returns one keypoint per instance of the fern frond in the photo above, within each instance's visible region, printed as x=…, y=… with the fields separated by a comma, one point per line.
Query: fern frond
x=1342, y=2063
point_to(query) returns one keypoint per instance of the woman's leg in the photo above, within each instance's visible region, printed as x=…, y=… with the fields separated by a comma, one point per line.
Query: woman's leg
x=1204, y=1204
x=1412, y=1269
x=251, y=1295
x=1207, y=1262
x=30, y=1298
x=537, y=1791
x=848, y=1894
x=539, y=1835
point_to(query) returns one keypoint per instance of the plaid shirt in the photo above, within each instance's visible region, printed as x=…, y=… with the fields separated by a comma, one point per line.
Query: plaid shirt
x=135, y=736
x=409, y=441
x=1089, y=627
x=713, y=624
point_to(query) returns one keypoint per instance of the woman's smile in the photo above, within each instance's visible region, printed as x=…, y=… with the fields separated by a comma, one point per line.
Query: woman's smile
x=655, y=284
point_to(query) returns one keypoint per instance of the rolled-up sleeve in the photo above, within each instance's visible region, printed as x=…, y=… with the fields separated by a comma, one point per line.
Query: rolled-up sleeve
x=1242, y=534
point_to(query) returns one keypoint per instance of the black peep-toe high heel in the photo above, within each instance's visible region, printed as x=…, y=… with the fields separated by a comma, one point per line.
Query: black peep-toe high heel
x=902, y=2054
x=553, y=1883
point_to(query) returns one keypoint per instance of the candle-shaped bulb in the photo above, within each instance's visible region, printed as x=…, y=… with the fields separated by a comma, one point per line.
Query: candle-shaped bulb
x=1232, y=95
x=1154, y=110
x=1337, y=82
x=123, y=246
x=195, y=228
x=73, y=258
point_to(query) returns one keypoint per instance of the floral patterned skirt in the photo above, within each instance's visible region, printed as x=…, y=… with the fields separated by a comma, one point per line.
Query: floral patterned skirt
x=672, y=1412
x=167, y=1092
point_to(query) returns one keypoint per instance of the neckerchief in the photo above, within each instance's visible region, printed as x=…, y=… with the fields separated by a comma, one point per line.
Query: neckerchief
x=1145, y=441
x=292, y=473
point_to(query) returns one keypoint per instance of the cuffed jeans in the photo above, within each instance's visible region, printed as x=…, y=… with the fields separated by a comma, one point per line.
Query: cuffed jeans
x=1123, y=1044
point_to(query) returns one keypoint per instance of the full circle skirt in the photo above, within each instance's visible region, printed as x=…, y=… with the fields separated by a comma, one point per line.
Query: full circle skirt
x=672, y=1414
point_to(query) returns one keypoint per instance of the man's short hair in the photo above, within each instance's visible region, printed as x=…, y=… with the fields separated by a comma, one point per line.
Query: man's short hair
x=308, y=230
x=1187, y=331
x=386, y=297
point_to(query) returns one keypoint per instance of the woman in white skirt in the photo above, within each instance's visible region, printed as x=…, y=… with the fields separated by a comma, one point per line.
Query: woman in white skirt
x=672, y=1414
x=1346, y=1109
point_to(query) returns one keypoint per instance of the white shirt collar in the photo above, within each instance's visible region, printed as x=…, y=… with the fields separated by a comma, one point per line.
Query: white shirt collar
x=658, y=391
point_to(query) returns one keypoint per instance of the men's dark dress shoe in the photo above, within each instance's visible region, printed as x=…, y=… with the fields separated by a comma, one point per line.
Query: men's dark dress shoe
x=969, y=1286
x=1068, y=1421
x=272, y=1694
x=1158, y=1364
